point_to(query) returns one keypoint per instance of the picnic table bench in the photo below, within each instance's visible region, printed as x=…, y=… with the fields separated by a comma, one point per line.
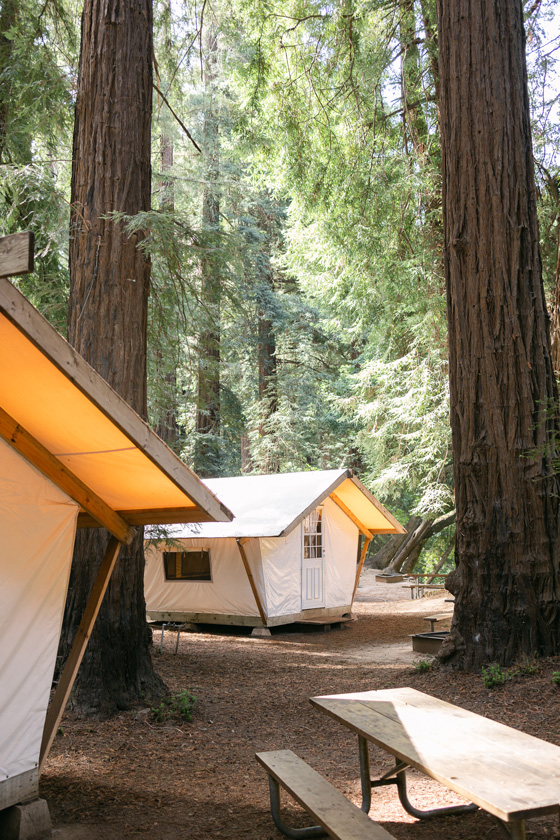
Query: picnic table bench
x=336, y=815
x=433, y=619
x=421, y=588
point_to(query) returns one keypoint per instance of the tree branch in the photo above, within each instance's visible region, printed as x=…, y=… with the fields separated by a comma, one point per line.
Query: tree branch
x=181, y=123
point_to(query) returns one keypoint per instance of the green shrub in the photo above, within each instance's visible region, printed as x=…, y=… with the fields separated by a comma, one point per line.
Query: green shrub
x=494, y=676
x=556, y=677
x=179, y=705
x=527, y=668
x=423, y=665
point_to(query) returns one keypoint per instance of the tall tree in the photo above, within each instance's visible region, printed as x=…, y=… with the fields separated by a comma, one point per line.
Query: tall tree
x=207, y=455
x=108, y=312
x=503, y=393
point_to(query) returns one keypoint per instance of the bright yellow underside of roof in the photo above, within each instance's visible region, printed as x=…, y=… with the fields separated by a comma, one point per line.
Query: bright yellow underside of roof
x=49, y=406
x=363, y=509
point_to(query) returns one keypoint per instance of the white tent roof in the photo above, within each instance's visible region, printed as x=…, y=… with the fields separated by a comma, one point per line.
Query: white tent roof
x=272, y=505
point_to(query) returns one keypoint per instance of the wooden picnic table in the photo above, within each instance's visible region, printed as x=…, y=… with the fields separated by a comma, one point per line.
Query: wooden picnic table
x=508, y=773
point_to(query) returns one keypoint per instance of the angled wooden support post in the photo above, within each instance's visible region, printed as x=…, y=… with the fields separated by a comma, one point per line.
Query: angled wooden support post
x=360, y=566
x=68, y=676
x=251, y=581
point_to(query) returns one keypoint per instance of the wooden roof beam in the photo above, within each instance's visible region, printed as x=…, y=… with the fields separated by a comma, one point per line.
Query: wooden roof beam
x=157, y=516
x=38, y=455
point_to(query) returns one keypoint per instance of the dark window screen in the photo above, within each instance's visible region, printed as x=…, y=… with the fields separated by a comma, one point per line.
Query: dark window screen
x=187, y=565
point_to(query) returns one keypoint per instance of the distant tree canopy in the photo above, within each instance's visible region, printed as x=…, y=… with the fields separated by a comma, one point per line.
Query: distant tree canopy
x=297, y=314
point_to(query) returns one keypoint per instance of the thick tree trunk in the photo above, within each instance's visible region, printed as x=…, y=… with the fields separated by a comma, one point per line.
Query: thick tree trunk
x=207, y=453
x=406, y=557
x=383, y=557
x=108, y=315
x=555, y=322
x=503, y=394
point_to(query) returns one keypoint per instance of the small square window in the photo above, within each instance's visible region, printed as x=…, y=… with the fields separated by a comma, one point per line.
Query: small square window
x=187, y=565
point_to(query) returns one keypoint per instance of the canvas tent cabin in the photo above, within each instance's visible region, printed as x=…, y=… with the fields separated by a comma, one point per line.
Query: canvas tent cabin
x=72, y=453
x=290, y=554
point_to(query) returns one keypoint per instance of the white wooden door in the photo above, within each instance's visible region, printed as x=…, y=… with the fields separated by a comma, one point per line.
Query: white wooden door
x=313, y=562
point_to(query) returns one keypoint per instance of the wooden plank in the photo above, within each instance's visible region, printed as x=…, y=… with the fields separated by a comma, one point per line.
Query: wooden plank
x=251, y=581
x=360, y=566
x=68, y=676
x=247, y=620
x=18, y=310
x=361, y=528
x=16, y=254
x=159, y=516
x=16, y=789
x=340, y=818
x=59, y=474
x=506, y=772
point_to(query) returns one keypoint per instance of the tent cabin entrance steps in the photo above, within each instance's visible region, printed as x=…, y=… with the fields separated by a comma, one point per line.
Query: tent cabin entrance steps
x=326, y=623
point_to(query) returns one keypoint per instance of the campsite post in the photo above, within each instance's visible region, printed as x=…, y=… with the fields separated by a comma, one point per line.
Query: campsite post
x=16, y=254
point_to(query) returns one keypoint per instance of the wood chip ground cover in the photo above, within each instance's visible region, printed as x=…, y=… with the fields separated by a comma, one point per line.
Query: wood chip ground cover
x=133, y=777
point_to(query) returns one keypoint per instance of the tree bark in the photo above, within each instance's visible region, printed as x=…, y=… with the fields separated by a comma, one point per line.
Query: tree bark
x=503, y=392
x=406, y=557
x=207, y=450
x=108, y=317
x=383, y=557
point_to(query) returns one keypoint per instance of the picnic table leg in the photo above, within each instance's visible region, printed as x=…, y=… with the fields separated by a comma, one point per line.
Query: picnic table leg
x=514, y=829
x=400, y=780
x=294, y=833
x=365, y=774
x=397, y=776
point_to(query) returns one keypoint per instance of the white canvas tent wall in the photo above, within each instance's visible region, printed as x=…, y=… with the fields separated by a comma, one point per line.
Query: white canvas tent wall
x=256, y=560
x=72, y=453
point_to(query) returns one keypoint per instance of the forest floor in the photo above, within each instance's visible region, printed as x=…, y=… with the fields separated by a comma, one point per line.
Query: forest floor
x=132, y=777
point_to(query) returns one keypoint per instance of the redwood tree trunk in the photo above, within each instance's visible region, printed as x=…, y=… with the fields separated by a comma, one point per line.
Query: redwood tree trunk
x=108, y=315
x=207, y=452
x=503, y=394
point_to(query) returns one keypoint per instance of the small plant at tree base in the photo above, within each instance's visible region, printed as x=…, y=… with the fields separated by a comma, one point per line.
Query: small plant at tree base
x=556, y=677
x=183, y=704
x=178, y=705
x=527, y=668
x=423, y=665
x=494, y=676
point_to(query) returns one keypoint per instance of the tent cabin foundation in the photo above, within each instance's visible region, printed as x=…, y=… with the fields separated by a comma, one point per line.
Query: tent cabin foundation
x=248, y=620
x=294, y=552
x=26, y=821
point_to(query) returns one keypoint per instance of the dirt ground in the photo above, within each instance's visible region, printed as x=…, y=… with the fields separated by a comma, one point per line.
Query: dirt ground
x=132, y=777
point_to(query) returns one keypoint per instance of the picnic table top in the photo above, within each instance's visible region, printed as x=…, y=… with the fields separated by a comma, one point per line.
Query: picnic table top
x=506, y=772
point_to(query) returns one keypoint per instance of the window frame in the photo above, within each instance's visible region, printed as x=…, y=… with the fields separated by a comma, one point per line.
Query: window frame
x=184, y=553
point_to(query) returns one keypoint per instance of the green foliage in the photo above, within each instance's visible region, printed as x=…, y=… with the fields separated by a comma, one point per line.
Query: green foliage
x=179, y=705
x=528, y=668
x=494, y=676
x=424, y=665
x=324, y=159
x=556, y=678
